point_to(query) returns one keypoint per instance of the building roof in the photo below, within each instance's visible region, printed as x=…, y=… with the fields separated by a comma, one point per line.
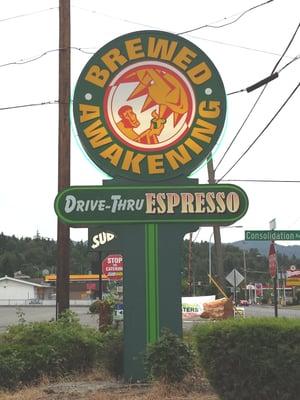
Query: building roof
x=81, y=277
x=21, y=281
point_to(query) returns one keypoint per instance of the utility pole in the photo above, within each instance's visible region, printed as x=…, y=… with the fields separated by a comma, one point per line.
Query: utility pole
x=190, y=266
x=63, y=231
x=245, y=272
x=216, y=229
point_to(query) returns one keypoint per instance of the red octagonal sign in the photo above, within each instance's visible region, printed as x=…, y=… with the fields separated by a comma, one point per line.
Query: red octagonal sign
x=272, y=260
x=111, y=264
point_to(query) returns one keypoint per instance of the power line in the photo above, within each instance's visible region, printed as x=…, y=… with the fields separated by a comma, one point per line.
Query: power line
x=192, y=36
x=35, y=58
x=228, y=23
x=28, y=14
x=44, y=103
x=288, y=46
x=257, y=100
x=83, y=49
x=289, y=63
x=260, y=180
x=262, y=132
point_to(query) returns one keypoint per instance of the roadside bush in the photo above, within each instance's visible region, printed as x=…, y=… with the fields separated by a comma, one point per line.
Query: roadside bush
x=104, y=308
x=29, y=351
x=169, y=359
x=111, y=352
x=11, y=367
x=251, y=358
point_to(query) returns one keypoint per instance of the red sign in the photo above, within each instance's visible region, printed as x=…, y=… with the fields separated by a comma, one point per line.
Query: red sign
x=91, y=286
x=258, y=289
x=112, y=264
x=272, y=261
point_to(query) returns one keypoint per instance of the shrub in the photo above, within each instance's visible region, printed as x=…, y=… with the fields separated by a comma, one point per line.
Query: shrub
x=104, y=308
x=169, y=359
x=31, y=350
x=111, y=352
x=251, y=358
x=11, y=367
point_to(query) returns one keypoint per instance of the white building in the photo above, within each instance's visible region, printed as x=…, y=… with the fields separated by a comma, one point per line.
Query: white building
x=17, y=292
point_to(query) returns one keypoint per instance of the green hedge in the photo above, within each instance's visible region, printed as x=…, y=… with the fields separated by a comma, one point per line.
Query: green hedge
x=29, y=351
x=251, y=358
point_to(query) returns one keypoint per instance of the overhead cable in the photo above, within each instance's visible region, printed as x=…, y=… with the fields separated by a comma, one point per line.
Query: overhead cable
x=258, y=98
x=28, y=14
x=228, y=23
x=44, y=103
x=192, y=36
x=35, y=58
x=262, y=132
x=261, y=180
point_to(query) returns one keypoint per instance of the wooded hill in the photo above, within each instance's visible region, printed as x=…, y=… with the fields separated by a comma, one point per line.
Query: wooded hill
x=36, y=256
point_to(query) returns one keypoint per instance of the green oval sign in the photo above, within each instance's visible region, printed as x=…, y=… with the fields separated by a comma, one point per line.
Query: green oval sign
x=149, y=106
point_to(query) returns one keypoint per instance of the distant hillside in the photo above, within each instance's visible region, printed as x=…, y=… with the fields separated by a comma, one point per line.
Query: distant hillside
x=263, y=248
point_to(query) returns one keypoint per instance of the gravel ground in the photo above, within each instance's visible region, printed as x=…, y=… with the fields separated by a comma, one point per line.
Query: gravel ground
x=87, y=389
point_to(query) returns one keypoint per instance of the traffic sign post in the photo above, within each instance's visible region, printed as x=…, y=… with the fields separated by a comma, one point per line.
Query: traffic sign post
x=273, y=273
x=235, y=278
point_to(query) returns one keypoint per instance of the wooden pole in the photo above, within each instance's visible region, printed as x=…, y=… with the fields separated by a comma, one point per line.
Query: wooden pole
x=63, y=231
x=190, y=266
x=216, y=229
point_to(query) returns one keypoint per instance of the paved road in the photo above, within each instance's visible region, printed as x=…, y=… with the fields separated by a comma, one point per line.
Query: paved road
x=268, y=311
x=8, y=315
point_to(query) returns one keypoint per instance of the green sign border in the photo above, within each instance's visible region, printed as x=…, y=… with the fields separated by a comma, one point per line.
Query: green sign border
x=96, y=96
x=202, y=219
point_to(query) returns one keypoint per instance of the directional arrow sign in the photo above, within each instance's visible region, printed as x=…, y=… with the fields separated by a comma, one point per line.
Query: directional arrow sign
x=234, y=277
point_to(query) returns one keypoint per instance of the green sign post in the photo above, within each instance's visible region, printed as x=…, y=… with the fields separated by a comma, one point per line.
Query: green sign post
x=272, y=235
x=149, y=107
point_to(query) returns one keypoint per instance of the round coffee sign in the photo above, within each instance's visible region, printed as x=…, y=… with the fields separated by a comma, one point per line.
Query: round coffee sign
x=149, y=106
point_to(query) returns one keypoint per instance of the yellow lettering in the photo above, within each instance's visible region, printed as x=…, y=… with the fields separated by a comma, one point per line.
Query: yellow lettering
x=200, y=73
x=161, y=48
x=209, y=109
x=205, y=128
x=184, y=57
x=174, y=158
x=97, y=133
x=112, y=153
x=132, y=162
x=97, y=76
x=197, y=149
x=134, y=49
x=155, y=164
x=113, y=59
x=88, y=112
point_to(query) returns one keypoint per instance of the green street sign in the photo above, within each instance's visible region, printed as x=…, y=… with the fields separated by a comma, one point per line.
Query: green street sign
x=203, y=204
x=272, y=235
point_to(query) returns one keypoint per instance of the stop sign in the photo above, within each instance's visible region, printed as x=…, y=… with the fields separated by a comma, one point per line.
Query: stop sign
x=272, y=260
x=112, y=263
